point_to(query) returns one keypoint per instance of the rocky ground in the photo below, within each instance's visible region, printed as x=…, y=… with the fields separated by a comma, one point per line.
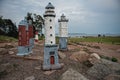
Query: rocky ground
x=83, y=61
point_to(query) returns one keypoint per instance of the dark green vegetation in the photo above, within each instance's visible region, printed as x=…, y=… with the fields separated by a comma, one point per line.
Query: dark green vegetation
x=37, y=21
x=8, y=28
x=110, y=40
x=42, y=37
x=7, y=39
x=114, y=59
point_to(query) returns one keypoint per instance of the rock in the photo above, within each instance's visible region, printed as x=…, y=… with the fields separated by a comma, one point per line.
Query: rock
x=30, y=78
x=11, y=52
x=118, y=50
x=7, y=67
x=9, y=45
x=61, y=55
x=103, y=68
x=38, y=67
x=112, y=77
x=94, y=58
x=62, y=65
x=112, y=65
x=71, y=74
x=49, y=72
x=80, y=56
x=99, y=70
x=3, y=51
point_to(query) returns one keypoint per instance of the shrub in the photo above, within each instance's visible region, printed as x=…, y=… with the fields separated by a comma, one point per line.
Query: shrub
x=114, y=59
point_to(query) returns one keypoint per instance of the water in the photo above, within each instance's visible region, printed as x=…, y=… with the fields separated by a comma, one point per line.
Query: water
x=85, y=35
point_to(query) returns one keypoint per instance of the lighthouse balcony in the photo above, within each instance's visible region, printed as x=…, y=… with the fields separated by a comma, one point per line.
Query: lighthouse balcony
x=49, y=10
x=49, y=14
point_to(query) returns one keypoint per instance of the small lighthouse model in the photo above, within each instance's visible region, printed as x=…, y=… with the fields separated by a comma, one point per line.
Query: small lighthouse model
x=23, y=44
x=50, y=47
x=63, y=33
x=26, y=40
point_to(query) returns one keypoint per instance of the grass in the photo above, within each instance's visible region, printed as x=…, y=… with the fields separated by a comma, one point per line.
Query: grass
x=7, y=39
x=109, y=40
x=114, y=59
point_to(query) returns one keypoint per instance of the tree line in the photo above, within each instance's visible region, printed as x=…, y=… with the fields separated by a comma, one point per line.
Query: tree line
x=8, y=28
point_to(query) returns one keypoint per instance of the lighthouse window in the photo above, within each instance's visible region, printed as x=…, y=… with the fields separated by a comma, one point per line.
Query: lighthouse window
x=50, y=27
x=50, y=20
x=51, y=42
x=52, y=53
x=50, y=34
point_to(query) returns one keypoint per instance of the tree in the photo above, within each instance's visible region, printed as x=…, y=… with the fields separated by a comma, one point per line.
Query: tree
x=2, y=26
x=11, y=28
x=99, y=35
x=37, y=21
x=8, y=28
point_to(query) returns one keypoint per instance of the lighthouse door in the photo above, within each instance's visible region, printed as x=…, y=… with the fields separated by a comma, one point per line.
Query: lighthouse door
x=52, y=58
x=52, y=61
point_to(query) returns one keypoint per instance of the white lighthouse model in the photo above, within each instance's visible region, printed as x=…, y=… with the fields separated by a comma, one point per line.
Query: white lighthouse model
x=50, y=47
x=63, y=33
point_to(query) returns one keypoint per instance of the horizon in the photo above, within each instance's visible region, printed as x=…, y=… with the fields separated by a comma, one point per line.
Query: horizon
x=86, y=16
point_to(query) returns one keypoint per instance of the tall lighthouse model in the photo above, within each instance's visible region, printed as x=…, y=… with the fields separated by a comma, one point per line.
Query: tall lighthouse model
x=50, y=47
x=63, y=33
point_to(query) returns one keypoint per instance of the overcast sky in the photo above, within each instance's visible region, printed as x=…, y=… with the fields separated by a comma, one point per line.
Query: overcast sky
x=85, y=16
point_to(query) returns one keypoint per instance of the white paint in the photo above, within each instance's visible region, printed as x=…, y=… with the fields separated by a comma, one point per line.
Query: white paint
x=63, y=29
x=49, y=32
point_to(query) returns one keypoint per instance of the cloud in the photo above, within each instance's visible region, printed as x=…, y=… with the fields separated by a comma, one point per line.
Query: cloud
x=82, y=14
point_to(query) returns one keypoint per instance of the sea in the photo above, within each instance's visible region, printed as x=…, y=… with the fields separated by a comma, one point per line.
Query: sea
x=90, y=35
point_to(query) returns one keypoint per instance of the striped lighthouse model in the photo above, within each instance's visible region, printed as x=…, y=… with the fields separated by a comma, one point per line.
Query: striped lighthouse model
x=50, y=47
x=63, y=33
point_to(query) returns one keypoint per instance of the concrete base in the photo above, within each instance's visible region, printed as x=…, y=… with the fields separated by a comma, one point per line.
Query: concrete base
x=31, y=41
x=63, y=43
x=51, y=51
x=51, y=67
x=24, y=50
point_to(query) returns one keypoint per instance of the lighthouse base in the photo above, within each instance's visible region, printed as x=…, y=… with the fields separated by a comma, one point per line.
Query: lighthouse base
x=31, y=41
x=23, y=50
x=51, y=57
x=63, y=43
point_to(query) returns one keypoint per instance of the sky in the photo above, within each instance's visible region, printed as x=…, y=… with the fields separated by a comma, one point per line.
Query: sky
x=85, y=16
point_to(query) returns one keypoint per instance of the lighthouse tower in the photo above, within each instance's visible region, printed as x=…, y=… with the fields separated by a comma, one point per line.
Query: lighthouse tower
x=63, y=33
x=50, y=47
